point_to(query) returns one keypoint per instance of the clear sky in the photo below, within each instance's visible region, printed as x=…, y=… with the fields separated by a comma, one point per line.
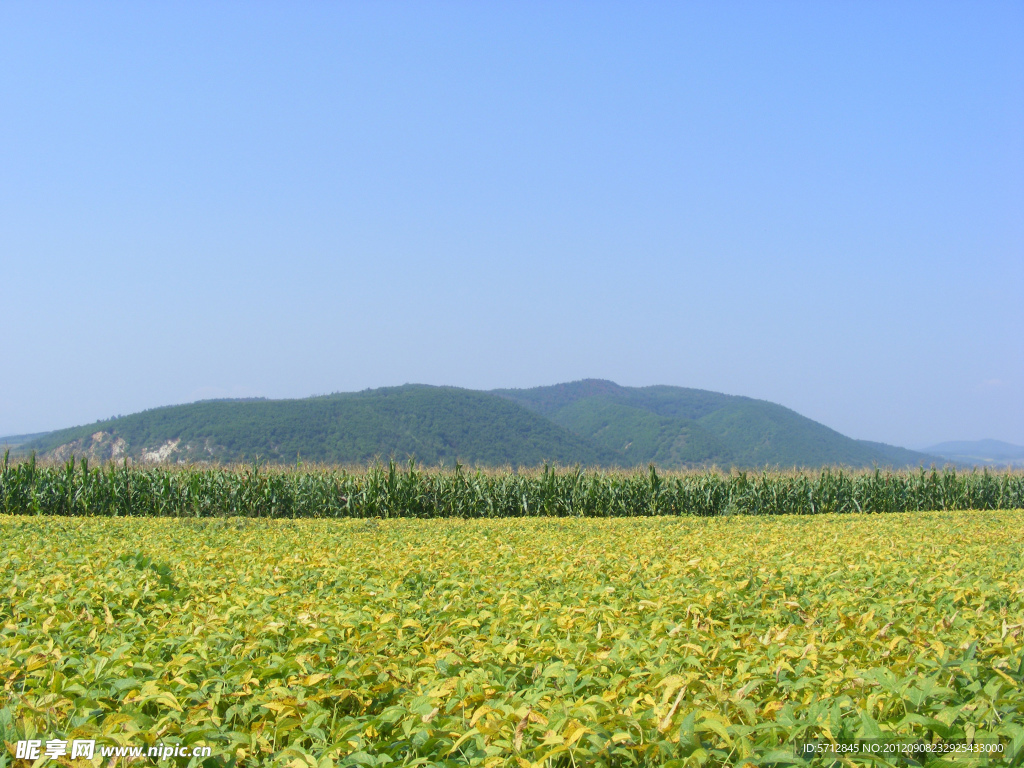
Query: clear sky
x=815, y=203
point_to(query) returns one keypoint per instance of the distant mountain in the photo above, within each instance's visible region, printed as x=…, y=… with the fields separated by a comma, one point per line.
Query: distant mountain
x=980, y=452
x=12, y=441
x=590, y=423
x=675, y=426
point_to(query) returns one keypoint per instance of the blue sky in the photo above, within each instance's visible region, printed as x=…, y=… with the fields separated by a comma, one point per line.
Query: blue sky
x=815, y=203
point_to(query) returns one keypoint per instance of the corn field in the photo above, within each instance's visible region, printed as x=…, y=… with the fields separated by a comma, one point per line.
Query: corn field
x=390, y=491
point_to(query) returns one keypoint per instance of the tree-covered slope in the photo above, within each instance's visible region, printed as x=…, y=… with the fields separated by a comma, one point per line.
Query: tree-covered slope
x=435, y=424
x=640, y=436
x=677, y=402
x=765, y=433
x=676, y=426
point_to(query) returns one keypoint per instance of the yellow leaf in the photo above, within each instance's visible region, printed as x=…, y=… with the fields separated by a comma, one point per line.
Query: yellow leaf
x=578, y=732
x=482, y=710
x=536, y=717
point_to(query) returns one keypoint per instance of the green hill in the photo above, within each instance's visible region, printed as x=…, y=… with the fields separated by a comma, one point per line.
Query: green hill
x=591, y=423
x=676, y=426
x=435, y=424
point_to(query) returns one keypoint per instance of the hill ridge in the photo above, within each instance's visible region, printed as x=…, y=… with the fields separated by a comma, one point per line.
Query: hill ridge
x=590, y=422
x=696, y=426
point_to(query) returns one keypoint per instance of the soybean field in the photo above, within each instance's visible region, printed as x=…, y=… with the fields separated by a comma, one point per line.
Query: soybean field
x=514, y=641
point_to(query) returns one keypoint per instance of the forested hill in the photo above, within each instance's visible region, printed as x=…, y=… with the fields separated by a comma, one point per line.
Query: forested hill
x=675, y=426
x=435, y=424
x=590, y=423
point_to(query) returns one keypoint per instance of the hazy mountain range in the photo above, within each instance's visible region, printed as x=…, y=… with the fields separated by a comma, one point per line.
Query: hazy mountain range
x=590, y=422
x=980, y=453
